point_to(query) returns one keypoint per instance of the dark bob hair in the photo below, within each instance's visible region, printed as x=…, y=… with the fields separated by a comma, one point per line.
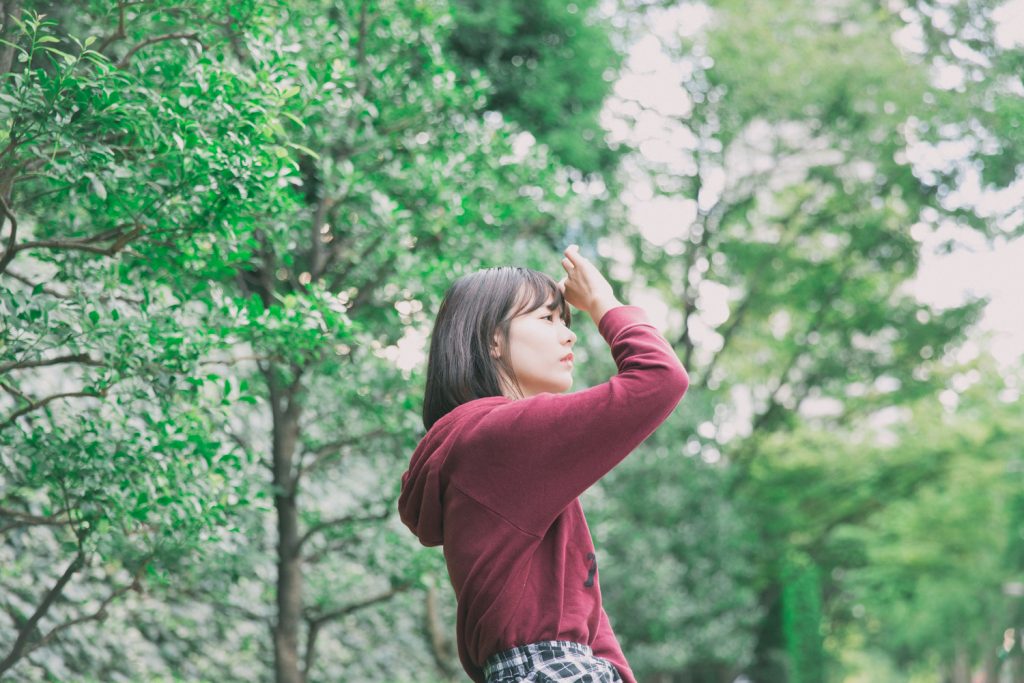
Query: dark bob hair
x=460, y=367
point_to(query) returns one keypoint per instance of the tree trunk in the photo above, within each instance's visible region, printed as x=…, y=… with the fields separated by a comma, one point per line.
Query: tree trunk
x=285, y=408
x=961, y=666
x=289, y=592
x=9, y=11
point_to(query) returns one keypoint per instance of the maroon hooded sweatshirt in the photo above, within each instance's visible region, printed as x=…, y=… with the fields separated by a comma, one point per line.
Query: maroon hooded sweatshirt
x=497, y=482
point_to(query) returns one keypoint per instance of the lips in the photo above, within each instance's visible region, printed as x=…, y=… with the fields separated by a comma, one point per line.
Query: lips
x=567, y=357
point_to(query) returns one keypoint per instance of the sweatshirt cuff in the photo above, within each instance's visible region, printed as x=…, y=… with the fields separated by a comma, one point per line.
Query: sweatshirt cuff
x=619, y=318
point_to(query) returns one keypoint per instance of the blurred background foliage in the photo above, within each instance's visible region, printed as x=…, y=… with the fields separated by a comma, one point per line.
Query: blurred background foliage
x=227, y=225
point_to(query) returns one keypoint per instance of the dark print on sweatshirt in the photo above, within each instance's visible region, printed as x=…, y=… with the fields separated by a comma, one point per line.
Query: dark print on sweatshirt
x=592, y=559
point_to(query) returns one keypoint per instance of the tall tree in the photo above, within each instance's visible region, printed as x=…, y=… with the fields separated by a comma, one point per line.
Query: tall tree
x=117, y=178
x=784, y=280
x=379, y=180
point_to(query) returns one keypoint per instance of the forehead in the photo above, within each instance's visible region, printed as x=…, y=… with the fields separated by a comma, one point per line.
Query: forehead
x=537, y=294
x=534, y=295
x=547, y=303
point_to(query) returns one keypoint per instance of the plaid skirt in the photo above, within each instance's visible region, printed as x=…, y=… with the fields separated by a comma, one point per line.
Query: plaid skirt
x=550, y=661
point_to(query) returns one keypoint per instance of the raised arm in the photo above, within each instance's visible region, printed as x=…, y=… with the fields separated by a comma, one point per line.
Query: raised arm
x=528, y=459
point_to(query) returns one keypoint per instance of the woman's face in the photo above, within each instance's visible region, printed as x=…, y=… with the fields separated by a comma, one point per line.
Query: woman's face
x=540, y=348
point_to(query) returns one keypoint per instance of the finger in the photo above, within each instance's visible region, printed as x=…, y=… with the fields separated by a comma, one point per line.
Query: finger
x=572, y=252
x=561, y=285
x=568, y=265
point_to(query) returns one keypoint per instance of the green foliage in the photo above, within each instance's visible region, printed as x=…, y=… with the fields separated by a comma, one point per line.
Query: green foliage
x=242, y=209
x=675, y=564
x=234, y=219
x=551, y=66
x=113, y=467
x=802, y=620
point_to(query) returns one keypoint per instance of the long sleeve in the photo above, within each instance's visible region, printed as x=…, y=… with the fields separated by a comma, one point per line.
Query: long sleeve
x=606, y=646
x=526, y=460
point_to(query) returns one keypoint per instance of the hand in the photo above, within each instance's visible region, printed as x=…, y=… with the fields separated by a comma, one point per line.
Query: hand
x=584, y=286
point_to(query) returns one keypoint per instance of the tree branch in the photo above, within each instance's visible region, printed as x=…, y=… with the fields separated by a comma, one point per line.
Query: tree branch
x=440, y=646
x=226, y=606
x=12, y=10
x=317, y=257
x=325, y=617
x=737, y=317
x=25, y=281
x=86, y=243
x=14, y=391
x=119, y=33
x=363, y=78
x=35, y=405
x=12, y=247
x=339, y=521
x=80, y=358
x=237, y=359
x=898, y=490
x=312, y=632
x=21, y=647
x=26, y=519
x=332, y=447
x=742, y=457
x=100, y=613
x=338, y=280
x=158, y=39
x=689, y=258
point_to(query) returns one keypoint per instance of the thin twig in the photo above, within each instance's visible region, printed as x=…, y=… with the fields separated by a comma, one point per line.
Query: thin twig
x=25, y=281
x=236, y=360
x=14, y=391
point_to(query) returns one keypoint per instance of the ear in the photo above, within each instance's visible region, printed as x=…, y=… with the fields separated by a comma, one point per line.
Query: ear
x=496, y=347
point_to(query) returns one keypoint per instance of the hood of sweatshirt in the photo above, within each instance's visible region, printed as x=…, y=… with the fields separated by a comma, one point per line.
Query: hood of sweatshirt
x=421, y=503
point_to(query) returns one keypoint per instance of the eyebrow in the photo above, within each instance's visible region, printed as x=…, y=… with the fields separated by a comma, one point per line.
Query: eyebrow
x=553, y=308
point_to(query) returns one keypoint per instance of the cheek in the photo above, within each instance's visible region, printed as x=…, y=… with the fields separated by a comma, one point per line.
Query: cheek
x=526, y=353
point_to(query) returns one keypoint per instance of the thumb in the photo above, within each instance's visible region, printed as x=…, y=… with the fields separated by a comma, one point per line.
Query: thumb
x=561, y=285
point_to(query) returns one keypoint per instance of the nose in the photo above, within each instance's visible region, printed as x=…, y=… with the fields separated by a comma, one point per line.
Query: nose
x=569, y=338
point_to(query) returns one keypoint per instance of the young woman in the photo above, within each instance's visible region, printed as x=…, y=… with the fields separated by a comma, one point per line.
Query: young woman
x=496, y=479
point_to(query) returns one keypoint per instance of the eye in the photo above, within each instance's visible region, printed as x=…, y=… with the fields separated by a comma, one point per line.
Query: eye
x=549, y=316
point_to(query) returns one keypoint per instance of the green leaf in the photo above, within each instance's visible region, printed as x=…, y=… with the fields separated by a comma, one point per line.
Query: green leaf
x=68, y=59
x=304, y=149
x=294, y=119
x=97, y=186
